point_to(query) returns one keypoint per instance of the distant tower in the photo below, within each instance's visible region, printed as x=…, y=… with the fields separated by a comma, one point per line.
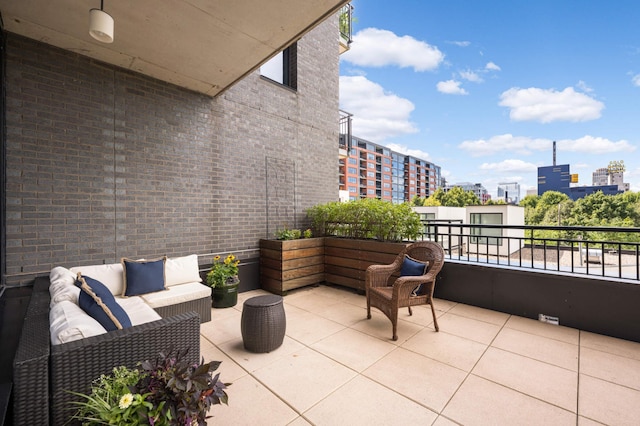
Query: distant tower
x=554, y=153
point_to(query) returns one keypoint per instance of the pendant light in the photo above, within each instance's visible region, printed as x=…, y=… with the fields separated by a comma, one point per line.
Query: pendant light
x=101, y=24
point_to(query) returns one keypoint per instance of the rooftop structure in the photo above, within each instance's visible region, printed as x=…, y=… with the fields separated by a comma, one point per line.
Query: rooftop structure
x=509, y=192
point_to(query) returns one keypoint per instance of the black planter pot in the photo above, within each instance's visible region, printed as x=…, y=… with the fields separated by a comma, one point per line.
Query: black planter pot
x=226, y=296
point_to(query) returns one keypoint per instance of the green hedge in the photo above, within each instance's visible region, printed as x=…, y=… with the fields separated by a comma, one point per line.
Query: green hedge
x=366, y=218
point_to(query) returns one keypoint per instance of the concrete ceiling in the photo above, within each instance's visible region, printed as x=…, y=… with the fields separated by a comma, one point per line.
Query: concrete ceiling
x=202, y=45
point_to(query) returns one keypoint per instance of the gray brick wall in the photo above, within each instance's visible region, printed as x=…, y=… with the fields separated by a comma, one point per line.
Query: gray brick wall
x=104, y=163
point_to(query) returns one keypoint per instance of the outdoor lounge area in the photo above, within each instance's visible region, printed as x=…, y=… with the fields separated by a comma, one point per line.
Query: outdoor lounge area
x=483, y=367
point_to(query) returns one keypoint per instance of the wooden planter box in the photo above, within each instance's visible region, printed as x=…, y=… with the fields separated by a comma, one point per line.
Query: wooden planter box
x=346, y=260
x=285, y=265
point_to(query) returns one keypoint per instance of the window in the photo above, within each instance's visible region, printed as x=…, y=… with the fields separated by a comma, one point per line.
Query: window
x=486, y=235
x=283, y=68
x=371, y=165
x=352, y=180
x=353, y=160
x=386, y=169
x=353, y=170
x=371, y=174
x=353, y=189
x=386, y=177
x=371, y=156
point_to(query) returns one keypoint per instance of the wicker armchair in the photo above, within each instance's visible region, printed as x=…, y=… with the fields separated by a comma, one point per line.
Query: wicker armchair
x=388, y=295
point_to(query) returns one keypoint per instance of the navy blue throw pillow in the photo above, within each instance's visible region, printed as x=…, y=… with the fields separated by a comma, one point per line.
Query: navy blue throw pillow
x=142, y=277
x=98, y=302
x=413, y=267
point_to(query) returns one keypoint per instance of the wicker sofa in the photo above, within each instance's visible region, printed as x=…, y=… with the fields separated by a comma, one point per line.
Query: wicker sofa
x=45, y=373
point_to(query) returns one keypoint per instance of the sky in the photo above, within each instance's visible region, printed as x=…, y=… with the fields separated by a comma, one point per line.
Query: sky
x=483, y=88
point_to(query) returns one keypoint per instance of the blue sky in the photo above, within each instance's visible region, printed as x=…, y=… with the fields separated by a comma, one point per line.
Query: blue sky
x=482, y=88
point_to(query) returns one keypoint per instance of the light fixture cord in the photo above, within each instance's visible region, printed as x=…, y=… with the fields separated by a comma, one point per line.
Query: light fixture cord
x=102, y=5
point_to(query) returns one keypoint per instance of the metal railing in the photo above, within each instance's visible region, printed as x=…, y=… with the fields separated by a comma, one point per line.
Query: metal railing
x=345, y=131
x=345, y=23
x=602, y=251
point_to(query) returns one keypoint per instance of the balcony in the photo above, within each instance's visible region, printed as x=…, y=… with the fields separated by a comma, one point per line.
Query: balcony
x=483, y=367
x=346, y=27
x=344, y=145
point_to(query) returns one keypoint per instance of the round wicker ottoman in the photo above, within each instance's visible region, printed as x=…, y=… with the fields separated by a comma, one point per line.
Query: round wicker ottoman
x=263, y=323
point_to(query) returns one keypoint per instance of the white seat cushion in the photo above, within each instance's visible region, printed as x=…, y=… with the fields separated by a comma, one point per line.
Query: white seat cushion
x=110, y=275
x=62, y=286
x=138, y=311
x=181, y=270
x=177, y=294
x=68, y=322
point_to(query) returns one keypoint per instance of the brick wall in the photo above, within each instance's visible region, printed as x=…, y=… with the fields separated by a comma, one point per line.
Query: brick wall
x=104, y=163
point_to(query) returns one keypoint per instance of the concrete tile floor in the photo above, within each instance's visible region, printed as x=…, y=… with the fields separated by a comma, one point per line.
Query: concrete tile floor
x=335, y=367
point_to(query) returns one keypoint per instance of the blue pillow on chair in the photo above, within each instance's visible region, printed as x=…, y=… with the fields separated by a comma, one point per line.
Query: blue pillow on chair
x=413, y=267
x=142, y=277
x=97, y=301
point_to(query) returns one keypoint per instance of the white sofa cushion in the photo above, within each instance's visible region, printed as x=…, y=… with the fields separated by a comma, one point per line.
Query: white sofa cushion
x=110, y=275
x=177, y=294
x=138, y=311
x=68, y=322
x=181, y=270
x=61, y=285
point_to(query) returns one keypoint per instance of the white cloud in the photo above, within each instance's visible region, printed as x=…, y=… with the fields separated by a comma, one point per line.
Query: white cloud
x=407, y=151
x=510, y=166
x=505, y=143
x=378, y=114
x=492, y=67
x=548, y=105
x=470, y=76
x=525, y=145
x=451, y=87
x=461, y=43
x=373, y=47
x=636, y=80
x=594, y=145
x=584, y=87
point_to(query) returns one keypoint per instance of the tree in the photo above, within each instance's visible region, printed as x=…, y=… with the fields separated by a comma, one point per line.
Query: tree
x=458, y=197
x=544, y=210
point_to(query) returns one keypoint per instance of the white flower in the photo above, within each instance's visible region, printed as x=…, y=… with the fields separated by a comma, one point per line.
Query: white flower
x=125, y=401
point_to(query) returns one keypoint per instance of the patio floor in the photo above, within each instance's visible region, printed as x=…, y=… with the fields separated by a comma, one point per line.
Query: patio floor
x=335, y=367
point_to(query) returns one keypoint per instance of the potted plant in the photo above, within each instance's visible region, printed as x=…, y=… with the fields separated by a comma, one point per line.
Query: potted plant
x=223, y=279
x=361, y=233
x=165, y=391
x=293, y=259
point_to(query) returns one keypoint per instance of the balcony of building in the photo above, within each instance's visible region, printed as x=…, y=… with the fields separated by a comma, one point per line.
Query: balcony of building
x=482, y=367
x=346, y=27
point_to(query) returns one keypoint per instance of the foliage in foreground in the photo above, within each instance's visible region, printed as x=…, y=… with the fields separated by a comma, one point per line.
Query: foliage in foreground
x=163, y=392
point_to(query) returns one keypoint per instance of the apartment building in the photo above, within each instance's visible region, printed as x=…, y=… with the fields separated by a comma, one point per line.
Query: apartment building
x=509, y=192
x=371, y=170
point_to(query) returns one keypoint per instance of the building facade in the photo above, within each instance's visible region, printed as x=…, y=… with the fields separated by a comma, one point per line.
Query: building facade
x=509, y=192
x=104, y=163
x=374, y=171
x=605, y=176
x=558, y=178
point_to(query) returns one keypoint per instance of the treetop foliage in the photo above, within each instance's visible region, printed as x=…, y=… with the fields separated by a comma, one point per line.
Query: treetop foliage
x=597, y=209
